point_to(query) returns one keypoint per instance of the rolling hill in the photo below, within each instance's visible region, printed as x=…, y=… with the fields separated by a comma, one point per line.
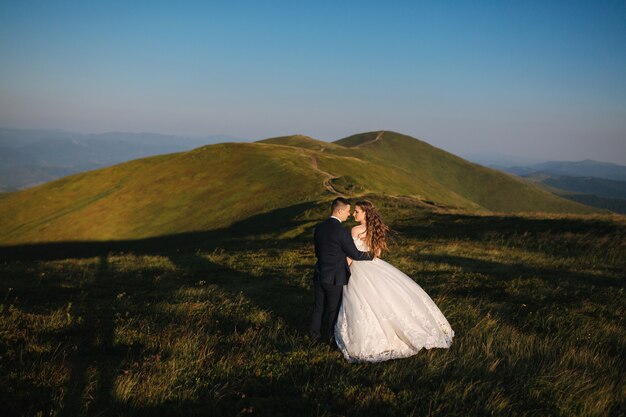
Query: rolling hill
x=592, y=191
x=450, y=180
x=596, y=184
x=213, y=186
x=32, y=157
x=599, y=187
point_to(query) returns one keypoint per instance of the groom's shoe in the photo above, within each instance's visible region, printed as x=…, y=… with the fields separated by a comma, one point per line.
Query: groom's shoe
x=332, y=344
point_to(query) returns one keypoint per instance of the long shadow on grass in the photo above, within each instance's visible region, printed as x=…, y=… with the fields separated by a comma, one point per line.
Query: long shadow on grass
x=473, y=227
x=90, y=356
x=95, y=365
x=566, y=235
x=96, y=359
x=504, y=271
x=270, y=292
x=241, y=234
x=561, y=290
x=93, y=357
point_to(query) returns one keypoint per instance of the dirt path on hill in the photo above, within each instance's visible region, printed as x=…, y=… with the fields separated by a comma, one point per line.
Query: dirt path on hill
x=328, y=175
x=376, y=139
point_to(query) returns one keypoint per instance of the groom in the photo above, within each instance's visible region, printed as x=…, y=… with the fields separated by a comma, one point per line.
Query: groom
x=333, y=243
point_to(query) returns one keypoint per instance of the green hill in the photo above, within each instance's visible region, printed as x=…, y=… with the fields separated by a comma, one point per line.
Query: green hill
x=206, y=188
x=214, y=186
x=448, y=179
x=302, y=141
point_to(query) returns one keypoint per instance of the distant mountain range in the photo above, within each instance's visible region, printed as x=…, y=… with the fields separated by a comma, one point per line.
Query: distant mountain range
x=586, y=168
x=215, y=186
x=596, y=192
x=32, y=157
x=587, y=185
x=498, y=159
x=598, y=184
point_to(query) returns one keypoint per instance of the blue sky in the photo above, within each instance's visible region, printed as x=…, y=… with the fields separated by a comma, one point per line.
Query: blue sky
x=531, y=78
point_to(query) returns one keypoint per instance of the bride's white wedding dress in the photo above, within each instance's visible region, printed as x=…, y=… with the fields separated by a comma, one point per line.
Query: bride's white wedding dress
x=386, y=315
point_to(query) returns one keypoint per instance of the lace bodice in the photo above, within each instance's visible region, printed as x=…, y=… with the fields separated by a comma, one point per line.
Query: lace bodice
x=360, y=244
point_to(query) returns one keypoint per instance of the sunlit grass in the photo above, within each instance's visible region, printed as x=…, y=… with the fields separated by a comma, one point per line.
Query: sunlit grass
x=215, y=186
x=537, y=304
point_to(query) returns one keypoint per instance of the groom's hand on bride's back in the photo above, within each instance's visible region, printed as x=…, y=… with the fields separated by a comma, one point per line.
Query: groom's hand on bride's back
x=350, y=249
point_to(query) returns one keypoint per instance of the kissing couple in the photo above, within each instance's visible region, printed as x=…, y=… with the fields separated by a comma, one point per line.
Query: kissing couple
x=374, y=312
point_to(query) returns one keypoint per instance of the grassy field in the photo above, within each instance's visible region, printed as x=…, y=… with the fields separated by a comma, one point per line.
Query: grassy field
x=214, y=323
x=213, y=186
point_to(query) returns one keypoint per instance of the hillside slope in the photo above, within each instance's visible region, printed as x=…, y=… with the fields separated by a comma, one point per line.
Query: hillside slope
x=31, y=157
x=448, y=179
x=216, y=185
x=206, y=188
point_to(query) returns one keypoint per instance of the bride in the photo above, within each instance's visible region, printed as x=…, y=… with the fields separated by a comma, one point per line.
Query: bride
x=384, y=314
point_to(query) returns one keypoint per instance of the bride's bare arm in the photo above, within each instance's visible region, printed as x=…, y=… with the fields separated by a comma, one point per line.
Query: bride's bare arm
x=349, y=259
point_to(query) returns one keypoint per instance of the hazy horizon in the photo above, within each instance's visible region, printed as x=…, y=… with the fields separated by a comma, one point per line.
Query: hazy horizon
x=484, y=158
x=539, y=81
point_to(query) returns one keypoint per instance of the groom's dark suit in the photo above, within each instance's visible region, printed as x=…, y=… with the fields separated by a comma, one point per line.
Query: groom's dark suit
x=333, y=244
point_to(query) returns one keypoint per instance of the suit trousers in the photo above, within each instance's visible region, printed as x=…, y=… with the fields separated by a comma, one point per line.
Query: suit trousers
x=327, y=300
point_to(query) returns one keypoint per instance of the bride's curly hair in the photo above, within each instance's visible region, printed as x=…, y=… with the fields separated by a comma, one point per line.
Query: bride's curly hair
x=377, y=230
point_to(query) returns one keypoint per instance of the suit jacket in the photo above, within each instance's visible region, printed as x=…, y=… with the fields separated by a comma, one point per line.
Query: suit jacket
x=333, y=243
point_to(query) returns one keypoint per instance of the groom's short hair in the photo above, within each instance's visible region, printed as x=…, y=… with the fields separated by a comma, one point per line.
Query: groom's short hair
x=338, y=203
